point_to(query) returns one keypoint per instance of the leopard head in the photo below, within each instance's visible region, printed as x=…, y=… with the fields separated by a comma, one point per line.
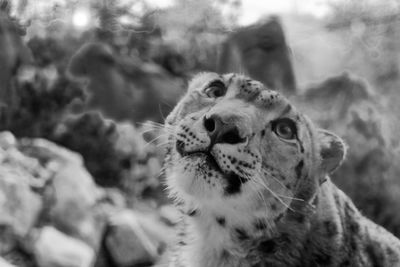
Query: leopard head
x=236, y=147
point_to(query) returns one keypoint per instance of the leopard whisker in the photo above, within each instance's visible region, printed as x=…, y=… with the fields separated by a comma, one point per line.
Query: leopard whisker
x=273, y=177
x=152, y=123
x=266, y=222
x=273, y=194
x=177, y=161
x=279, y=182
x=154, y=140
x=156, y=126
x=164, y=144
x=147, y=131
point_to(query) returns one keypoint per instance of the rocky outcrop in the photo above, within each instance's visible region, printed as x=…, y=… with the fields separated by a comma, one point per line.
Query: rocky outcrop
x=54, y=214
x=54, y=248
x=261, y=52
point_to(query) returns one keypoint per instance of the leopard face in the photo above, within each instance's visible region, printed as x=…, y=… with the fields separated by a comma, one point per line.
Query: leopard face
x=237, y=146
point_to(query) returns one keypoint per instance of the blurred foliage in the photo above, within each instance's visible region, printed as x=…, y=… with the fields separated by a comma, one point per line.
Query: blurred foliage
x=372, y=28
x=40, y=100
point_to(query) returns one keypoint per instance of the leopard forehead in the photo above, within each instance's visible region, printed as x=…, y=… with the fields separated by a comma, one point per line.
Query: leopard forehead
x=262, y=162
x=238, y=86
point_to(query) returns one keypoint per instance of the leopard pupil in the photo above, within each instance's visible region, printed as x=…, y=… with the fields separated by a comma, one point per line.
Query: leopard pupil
x=285, y=131
x=218, y=92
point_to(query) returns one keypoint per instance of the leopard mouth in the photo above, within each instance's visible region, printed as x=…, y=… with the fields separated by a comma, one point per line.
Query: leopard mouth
x=206, y=154
x=234, y=181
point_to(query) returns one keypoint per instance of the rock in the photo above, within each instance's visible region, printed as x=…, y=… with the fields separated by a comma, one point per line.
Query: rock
x=49, y=151
x=127, y=242
x=130, y=141
x=55, y=175
x=156, y=230
x=170, y=214
x=3, y=263
x=74, y=191
x=36, y=174
x=261, y=51
x=142, y=176
x=336, y=96
x=75, y=196
x=53, y=248
x=37, y=157
x=19, y=257
x=19, y=206
x=7, y=140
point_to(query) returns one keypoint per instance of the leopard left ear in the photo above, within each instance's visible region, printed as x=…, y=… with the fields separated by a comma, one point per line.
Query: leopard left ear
x=332, y=151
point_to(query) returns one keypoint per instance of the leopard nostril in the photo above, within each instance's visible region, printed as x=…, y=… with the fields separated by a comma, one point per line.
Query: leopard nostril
x=221, y=132
x=209, y=124
x=231, y=137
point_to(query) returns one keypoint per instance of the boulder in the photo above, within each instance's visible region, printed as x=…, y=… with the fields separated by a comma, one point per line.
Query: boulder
x=135, y=238
x=73, y=193
x=261, y=52
x=54, y=248
x=75, y=196
x=46, y=151
x=19, y=206
x=7, y=140
x=169, y=214
x=35, y=174
x=4, y=263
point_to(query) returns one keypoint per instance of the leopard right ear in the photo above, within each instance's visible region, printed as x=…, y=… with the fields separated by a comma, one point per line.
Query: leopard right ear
x=332, y=150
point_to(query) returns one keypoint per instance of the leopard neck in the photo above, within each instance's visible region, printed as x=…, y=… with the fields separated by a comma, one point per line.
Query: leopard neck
x=220, y=239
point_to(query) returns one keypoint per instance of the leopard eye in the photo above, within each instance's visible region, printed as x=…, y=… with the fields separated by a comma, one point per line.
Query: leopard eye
x=284, y=128
x=215, y=89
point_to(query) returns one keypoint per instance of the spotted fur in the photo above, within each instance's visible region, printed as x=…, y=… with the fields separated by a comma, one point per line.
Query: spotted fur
x=255, y=196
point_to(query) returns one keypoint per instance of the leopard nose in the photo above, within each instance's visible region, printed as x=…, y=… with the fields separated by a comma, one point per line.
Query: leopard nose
x=222, y=132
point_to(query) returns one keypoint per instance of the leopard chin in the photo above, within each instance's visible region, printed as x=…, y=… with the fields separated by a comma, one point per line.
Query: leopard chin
x=204, y=177
x=199, y=176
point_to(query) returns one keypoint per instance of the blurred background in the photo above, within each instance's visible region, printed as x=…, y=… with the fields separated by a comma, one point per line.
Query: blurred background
x=85, y=87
